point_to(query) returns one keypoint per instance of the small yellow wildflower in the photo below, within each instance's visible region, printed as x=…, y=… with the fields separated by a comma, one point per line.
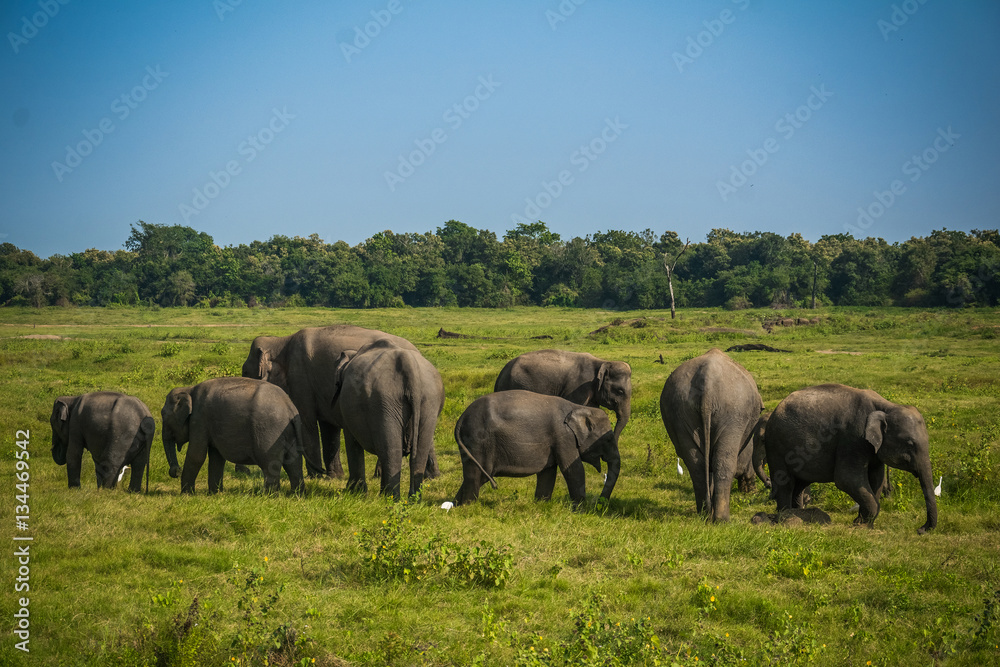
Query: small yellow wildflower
x=711, y=599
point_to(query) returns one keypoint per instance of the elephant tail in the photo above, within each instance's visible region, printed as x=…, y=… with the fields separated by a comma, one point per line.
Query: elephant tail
x=466, y=452
x=706, y=429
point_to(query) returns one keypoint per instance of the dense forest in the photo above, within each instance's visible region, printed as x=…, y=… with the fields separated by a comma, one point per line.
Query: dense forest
x=460, y=265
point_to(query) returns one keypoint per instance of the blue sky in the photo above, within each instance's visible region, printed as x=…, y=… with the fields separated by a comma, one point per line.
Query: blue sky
x=254, y=119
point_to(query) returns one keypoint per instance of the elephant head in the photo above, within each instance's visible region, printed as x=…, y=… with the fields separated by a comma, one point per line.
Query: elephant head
x=899, y=435
x=176, y=416
x=61, y=409
x=596, y=442
x=614, y=391
x=264, y=363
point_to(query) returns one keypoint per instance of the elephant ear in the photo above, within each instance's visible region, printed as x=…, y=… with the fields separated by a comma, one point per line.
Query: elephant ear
x=183, y=406
x=147, y=426
x=338, y=372
x=602, y=375
x=263, y=364
x=582, y=426
x=875, y=429
x=60, y=409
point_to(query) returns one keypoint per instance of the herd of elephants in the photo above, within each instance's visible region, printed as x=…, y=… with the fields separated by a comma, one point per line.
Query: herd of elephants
x=298, y=392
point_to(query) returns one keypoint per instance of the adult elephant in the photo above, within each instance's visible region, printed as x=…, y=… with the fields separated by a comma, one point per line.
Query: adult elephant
x=710, y=406
x=117, y=429
x=834, y=433
x=242, y=420
x=576, y=376
x=752, y=459
x=519, y=433
x=388, y=400
x=303, y=364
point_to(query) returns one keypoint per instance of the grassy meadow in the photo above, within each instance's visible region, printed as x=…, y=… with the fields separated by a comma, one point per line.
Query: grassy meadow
x=330, y=578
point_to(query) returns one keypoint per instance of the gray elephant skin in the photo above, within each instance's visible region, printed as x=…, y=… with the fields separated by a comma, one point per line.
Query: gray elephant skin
x=576, y=376
x=116, y=428
x=834, y=433
x=303, y=365
x=751, y=461
x=710, y=406
x=241, y=420
x=518, y=433
x=388, y=401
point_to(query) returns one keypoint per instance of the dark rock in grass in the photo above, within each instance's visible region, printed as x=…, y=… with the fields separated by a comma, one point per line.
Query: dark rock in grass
x=754, y=347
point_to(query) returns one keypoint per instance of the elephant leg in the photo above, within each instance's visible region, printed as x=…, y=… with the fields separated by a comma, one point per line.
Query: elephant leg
x=391, y=474
x=216, y=466
x=138, y=464
x=800, y=494
x=878, y=480
x=545, y=482
x=854, y=482
x=193, y=461
x=330, y=436
x=355, y=464
x=576, y=481
x=74, y=459
x=293, y=468
x=472, y=479
x=722, y=488
x=310, y=441
x=432, y=470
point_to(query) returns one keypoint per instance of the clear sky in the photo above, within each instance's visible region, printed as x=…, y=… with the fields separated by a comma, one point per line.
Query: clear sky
x=250, y=119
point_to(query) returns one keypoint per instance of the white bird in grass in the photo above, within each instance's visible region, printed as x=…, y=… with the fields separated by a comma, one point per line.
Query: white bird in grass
x=937, y=489
x=124, y=468
x=680, y=470
x=447, y=505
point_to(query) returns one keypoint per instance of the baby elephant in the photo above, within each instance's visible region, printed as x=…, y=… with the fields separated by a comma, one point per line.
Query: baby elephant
x=519, y=433
x=117, y=429
x=246, y=421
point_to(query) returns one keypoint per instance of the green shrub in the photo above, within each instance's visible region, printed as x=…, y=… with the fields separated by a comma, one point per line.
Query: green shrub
x=397, y=550
x=170, y=349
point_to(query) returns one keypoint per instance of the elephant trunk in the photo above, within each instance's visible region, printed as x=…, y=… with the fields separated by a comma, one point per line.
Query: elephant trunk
x=170, y=449
x=614, y=462
x=622, y=415
x=923, y=473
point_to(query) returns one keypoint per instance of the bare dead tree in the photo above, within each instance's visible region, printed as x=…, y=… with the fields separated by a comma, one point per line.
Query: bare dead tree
x=669, y=266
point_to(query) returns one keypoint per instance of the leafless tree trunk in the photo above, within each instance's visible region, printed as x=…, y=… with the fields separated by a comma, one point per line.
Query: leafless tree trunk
x=669, y=266
x=815, y=276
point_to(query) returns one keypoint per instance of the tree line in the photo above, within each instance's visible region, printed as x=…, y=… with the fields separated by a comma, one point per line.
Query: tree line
x=459, y=265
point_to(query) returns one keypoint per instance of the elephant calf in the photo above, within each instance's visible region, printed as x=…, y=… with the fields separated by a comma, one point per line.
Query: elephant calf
x=116, y=428
x=519, y=433
x=246, y=421
x=834, y=433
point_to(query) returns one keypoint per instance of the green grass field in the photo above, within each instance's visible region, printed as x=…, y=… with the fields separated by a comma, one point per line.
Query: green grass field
x=247, y=578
